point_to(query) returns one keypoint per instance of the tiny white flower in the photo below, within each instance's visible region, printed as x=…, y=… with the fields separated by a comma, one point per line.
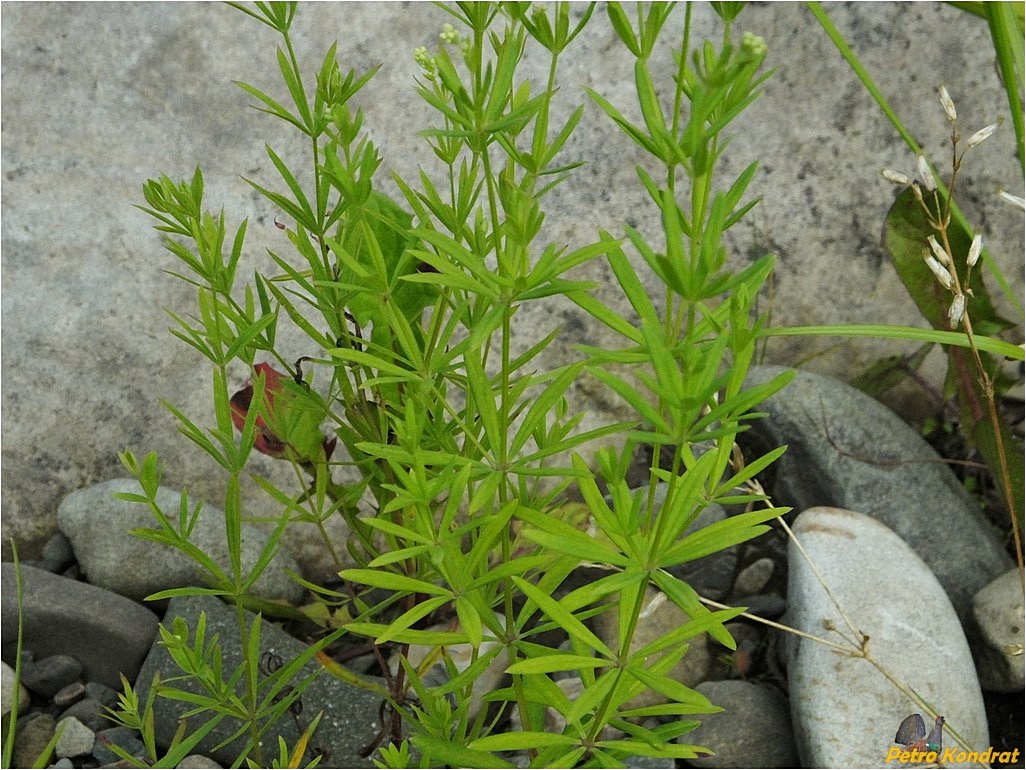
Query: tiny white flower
x=974, y=250
x=938, y=251
x=1015, y=200
x=925, y=174
x=982, y=135
x=948, y=104
x=940, y=271
x=895, y=176
x=957, y=310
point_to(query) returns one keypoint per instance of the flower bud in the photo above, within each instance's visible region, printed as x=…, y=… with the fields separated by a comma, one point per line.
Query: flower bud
x=895, y=176
x=1015, y=200
x=948, y=104
x=925, y=174
x=974, y=250
x=956, y=311
x=939, y=271
x=942, y=256
x=982, y=135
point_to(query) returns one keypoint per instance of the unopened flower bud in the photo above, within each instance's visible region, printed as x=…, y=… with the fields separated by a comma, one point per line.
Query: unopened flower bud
x=1015, y=200
x=939, y=271
x=895, y=176
x=948, y=104
x=974, y=250
x=982, y=135
x=925, y=174
x=957, y=310
x=938, y=251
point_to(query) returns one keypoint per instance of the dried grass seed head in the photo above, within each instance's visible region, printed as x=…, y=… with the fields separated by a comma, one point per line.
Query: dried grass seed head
x=925, y=174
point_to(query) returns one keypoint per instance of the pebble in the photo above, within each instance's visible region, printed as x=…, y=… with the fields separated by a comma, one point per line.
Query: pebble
x=198, y=762
x=842, y=705
x=98, y=527
x=57, y=554
x=106, y=633
x=753, y=578
x=753, y=730
x=848, y=450
x=997, y=631
x=48, y=675
x=76, y=739
x=33, y=733
x=89, y=712
x=68, y=694
x=124, y=737
x=7, y=676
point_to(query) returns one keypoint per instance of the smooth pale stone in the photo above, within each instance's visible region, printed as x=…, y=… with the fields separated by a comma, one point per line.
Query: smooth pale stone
x=998, y=627
x=845, y=711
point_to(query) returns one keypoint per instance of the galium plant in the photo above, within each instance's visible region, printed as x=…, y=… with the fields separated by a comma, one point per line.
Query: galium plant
x=445, y=442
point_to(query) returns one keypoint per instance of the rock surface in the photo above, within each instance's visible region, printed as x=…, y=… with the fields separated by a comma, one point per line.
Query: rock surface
x=845, y=711
x=351, y=714
x=106, y=633
x=98, y=526
x=997, y=613
x=848, y=450
x=753, y=730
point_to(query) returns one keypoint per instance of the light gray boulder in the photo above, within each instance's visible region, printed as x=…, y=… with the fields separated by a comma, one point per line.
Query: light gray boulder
x=845, y=710
x=98, y=526
x=997, y=633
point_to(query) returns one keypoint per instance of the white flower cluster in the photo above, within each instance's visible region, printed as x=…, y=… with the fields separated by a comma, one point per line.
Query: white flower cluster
x=938, y=257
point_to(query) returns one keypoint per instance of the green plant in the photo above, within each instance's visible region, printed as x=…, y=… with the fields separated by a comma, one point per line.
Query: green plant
x=455, y=428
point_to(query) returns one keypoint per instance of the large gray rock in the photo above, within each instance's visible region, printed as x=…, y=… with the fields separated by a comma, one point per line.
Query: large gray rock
x=98, y=526
x=87, y=357
x=848, y=450
x=107, y=633
x=845, y=711
x=350, y=719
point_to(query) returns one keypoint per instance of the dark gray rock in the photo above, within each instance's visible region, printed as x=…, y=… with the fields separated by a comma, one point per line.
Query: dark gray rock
x=47, y=676
x=98, y=526
x=124, y=737
x=350, y=714
x=57, y=554
x=847, y=450
x=108, y=634
x=841, y=705
x=89, y=712
x=996, y=633
x=753, y=730
x=101, y=693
